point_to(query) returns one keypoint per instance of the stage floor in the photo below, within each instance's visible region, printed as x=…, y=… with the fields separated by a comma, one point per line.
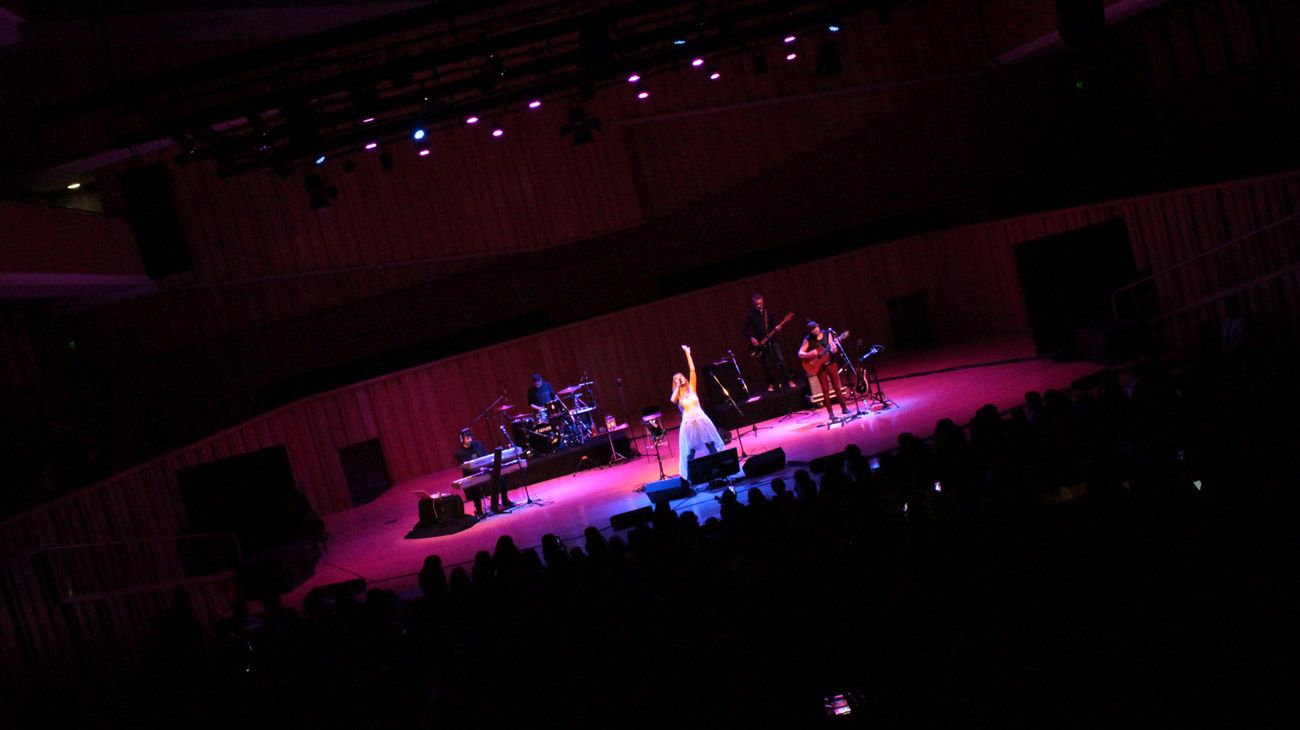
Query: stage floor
x=949, y=383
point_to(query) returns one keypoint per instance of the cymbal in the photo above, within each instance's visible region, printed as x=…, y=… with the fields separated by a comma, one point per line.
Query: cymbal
x=505, y=407
x=575, y=388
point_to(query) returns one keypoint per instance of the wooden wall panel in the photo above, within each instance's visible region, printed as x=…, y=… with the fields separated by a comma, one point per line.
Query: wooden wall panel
x=968, y=273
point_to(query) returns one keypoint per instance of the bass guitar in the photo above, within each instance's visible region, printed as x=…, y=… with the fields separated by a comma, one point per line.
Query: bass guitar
x=761, y=347
x=813, y=365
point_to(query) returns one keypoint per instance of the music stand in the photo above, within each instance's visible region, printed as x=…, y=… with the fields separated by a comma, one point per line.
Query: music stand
x=875, y=394
x=655, y=430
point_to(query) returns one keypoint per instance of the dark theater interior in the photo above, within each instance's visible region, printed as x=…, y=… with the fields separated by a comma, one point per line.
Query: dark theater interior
x=609, y=363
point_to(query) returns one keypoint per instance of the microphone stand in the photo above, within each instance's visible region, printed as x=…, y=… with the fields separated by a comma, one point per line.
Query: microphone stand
x=754, y=428
x=614, y=456
x=875, y=394
x=740, y=436
x=484, y=414
x=853, y=373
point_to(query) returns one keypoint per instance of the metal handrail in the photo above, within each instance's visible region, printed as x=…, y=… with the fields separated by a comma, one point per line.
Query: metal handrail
x=136, y=541
x=1152, y=276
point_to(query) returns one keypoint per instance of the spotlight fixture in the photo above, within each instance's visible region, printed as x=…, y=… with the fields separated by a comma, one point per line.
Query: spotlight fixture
x=714, y=73
x=471, y=119
x=418, y=134
x=791, y=56
x=371, y=145
x=679, y=41
x=494, y=71
x=535, y=104
x=697, y=62
x=833, y=28
x=367, y=120
x=498, y=132
x=789, y=39
x=74, y=186
x=424, y=152
x=633, y=78
x=320, y=160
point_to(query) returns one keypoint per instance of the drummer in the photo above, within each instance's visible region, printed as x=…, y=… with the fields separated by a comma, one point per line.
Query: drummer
x=540, y=394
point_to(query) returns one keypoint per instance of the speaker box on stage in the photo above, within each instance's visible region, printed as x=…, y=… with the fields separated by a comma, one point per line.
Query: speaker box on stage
x=765, y=463
x=336, y=591
x=827, y=463
x=1090, y=381
x=442, y=508
x=721, y=465
x=638, y=516
x=668, y=490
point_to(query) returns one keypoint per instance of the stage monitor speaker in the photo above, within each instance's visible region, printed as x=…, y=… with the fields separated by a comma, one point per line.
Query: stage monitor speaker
x=445, y=508
x=765, y=463
x=638, y=516
x=668, y=490
x=336, y=591
x=830, y=462
x=721, y=465
x=1090, y=381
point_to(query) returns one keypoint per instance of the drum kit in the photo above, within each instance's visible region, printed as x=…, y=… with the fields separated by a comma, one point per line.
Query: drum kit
x=566, y=422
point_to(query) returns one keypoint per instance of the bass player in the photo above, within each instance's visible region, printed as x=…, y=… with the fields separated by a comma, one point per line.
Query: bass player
x=765, y=345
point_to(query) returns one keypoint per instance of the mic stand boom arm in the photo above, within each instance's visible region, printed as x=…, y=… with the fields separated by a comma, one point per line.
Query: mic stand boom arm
x=727, y=394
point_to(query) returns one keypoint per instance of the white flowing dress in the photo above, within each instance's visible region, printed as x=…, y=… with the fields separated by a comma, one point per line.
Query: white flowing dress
x=697, y=432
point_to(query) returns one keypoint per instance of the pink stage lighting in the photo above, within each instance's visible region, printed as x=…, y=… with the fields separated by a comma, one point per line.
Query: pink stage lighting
x=471, y=119
x=714, y=76
x=367, y=120
x=643, y=95
x=535, y=104
x=633, y=78
x=498, y=132
x=424, y=153
x=371, y=145
x=791, y=56
x=697, y=62
x=788, y=39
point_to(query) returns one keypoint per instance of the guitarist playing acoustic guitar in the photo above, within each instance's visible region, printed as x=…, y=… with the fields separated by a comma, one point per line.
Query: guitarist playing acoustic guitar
x=764, y=345
x=816, y=355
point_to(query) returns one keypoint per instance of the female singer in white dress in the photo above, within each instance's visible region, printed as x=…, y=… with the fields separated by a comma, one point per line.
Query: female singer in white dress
x=697, y=432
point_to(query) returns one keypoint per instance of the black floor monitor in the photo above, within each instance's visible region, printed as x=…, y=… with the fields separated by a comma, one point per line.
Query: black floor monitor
x=705, y=469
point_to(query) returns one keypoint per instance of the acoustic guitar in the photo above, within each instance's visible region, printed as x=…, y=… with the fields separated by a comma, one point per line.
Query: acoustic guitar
x=813, y=365
x=761, y=347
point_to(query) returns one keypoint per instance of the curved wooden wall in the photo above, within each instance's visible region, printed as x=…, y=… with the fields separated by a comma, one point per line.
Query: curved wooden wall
x=968, y=273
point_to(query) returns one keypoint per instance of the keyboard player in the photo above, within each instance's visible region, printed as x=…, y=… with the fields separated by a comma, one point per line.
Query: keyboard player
x=497, y=489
